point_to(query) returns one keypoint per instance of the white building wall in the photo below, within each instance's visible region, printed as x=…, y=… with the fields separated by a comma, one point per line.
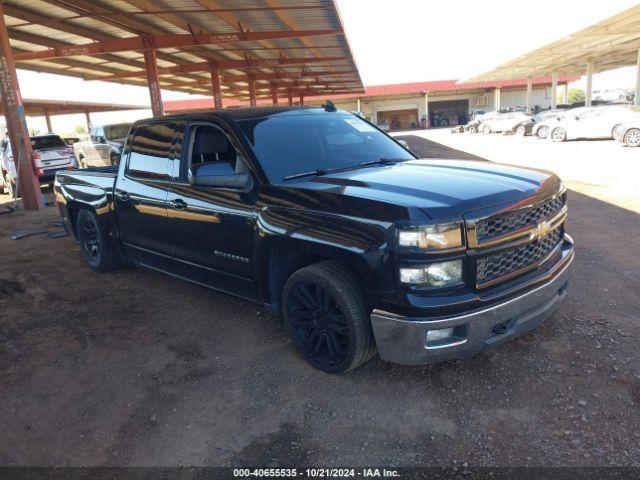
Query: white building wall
x=518, y=98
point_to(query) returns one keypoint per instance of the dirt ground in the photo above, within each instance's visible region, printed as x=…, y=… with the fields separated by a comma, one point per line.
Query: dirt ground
x=133, y=368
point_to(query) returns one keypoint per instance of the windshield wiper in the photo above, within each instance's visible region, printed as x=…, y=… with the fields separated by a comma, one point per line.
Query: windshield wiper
x=311, y=173
x=382, y=161
x=321, y=171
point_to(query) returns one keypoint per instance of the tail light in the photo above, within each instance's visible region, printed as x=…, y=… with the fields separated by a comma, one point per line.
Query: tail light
x=37, y=159
x=37, y=164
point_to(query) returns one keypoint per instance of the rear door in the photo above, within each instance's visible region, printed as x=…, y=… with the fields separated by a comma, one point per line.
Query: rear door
x=141, y=194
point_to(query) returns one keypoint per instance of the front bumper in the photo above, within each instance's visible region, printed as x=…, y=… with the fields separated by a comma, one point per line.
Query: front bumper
x=403, y=340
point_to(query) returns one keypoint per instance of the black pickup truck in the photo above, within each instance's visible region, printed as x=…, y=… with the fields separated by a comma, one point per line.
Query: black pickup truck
x=329, y=222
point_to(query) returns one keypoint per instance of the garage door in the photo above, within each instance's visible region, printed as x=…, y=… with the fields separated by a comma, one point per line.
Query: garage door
x=448, y=112
x=400, y=119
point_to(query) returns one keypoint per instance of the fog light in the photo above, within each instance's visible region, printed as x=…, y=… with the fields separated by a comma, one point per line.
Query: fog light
x=438, y=335
x=446, y=337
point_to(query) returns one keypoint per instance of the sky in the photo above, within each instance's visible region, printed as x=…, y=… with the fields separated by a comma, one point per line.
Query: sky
x=393, y=42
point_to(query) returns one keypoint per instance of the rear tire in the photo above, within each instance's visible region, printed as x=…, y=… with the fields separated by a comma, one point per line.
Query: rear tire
x=327, y=318
x=81, y=162
x=10, y=187
x=94, y=245
x=632, y=137
x=558, y=134
x=473, y=129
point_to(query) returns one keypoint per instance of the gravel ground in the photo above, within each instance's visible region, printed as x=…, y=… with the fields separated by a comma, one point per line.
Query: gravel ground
x=133, y=368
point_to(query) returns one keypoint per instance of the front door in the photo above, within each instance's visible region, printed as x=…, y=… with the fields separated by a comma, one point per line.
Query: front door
x=212, y=229
x=141, y=195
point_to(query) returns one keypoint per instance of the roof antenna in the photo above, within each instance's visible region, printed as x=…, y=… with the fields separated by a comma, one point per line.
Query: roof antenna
x=329, y=106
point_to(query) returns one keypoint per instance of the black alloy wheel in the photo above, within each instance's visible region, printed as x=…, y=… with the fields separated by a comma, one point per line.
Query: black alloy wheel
x=318, y=323
x=95, y=248
x=325, y=314
x=90, y=241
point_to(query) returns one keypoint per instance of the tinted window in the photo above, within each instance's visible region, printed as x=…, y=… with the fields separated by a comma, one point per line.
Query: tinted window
x=117, y=132
x=287, y=144
x=47, y=141
x=150, y=150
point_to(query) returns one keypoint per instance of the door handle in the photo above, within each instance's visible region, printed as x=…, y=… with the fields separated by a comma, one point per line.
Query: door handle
x=178, y=204
x=123, y=196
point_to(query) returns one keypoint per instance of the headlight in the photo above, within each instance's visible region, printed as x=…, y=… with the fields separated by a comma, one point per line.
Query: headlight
x=433, y=275
x=436, y=237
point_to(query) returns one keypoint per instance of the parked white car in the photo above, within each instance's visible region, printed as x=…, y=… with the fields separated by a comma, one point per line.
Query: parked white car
x=504, y=122
x=611, y=95
x=594, y=122
x=628, y=133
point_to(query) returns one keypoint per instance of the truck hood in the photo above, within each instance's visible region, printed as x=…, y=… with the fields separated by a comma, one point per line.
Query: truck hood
x=442, y=189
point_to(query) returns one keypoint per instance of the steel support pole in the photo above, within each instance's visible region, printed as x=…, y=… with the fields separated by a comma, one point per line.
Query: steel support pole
x=87, y=117
x=529, y=93
x=426, y=110
x=252, y=92
x=637, y=99
x=274, y=94
x=301, y=99
x=589, y=92
x=47, y=117
x=359, y=107
x=153, y=81
x=290, y=97
x=554, y=89
x=215, y=86
x=565, y=93
x=497, y=99
x=29, y=186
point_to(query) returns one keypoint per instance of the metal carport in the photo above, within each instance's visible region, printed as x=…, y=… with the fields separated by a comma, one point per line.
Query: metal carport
x=247, y=49
x=609, y=44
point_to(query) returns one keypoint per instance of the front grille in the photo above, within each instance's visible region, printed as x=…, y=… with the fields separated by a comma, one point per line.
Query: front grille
x=509, y=222
x=496, y=265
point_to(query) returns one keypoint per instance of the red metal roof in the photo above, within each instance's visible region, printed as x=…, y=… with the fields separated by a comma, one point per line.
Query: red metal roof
x=375, y=91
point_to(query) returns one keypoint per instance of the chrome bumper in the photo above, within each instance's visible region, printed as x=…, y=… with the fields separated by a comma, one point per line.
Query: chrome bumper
x=403, y=340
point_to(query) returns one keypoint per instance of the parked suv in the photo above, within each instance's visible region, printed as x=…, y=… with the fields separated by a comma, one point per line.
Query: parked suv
x=331, y=223
x=50, y=154
x=103, y=147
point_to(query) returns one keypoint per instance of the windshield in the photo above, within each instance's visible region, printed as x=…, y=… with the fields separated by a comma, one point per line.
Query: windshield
x=115, y=132
x=48, y=141
x=288, y=144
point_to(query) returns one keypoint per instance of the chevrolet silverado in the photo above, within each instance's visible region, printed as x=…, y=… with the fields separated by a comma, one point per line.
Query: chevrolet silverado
x=315, y=213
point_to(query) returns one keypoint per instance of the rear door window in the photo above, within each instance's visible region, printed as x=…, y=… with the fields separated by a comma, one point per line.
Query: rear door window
x=151, y=152
x=47, y=141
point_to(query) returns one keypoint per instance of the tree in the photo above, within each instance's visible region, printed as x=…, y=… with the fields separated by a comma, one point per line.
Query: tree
x=80, y=130
x=576, y=95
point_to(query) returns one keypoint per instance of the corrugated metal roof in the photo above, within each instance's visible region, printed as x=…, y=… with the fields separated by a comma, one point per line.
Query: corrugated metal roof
x=611, y=43
x=50, y=26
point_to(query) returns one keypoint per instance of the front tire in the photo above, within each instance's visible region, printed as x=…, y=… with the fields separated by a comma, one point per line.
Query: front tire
x=542, y=132
x=632, y=137
x=326, y=316
x=558, y=134
x=486, y=129
x=94, y=244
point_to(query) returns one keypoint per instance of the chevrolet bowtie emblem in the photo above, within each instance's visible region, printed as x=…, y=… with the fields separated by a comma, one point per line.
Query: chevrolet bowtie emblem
x=542, y=229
